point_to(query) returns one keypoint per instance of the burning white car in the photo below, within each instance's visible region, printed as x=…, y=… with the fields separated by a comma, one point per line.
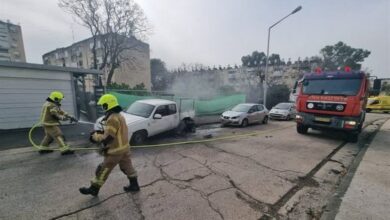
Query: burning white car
x=146, y=118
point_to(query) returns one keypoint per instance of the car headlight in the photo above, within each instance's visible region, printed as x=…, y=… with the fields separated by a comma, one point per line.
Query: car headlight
x=235, y=117
x=353, y=123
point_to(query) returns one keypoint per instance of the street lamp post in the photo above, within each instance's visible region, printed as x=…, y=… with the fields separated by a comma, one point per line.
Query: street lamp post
x=266, y=64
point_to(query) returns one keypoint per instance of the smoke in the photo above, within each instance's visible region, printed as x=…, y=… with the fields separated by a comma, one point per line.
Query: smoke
x=209, y=83
x=201, y=85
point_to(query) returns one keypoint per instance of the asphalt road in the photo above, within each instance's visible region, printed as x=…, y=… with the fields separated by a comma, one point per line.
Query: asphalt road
x=249, y=177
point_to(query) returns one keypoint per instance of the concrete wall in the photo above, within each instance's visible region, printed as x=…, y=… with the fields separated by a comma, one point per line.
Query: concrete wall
x=23, y=92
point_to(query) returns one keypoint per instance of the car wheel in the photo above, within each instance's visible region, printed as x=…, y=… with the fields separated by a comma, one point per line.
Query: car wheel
x=265, y=120
x=138, y=138
x=244, y=122
x=302, y=129
x=288, y=118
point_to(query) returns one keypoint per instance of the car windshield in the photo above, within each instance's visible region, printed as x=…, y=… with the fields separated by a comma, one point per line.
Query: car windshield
x=282, y=106
x=140, y=109
x=331, y=86
x=241, y=108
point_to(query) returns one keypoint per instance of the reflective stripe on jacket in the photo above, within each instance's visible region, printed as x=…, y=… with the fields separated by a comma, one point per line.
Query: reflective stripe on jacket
x=51, y=114
x=115, y=127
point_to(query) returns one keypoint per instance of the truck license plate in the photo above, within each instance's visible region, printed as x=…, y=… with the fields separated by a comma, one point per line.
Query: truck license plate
x=320, y=119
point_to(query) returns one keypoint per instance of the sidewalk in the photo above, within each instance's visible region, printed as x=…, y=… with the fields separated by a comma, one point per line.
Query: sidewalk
x=368, y=196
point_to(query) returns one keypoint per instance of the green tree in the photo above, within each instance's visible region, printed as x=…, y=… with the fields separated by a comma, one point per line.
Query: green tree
x=274, y=59
x=159, y=74
x=254, y=59
x=340, y=55
x=259, y=59
x=277, y=94
x=385, y=89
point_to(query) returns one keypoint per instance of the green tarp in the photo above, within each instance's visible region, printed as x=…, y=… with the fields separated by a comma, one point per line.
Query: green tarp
x=202, y=107
x=218, y=105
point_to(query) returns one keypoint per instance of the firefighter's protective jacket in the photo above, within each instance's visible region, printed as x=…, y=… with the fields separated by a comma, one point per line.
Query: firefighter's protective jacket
x=115, y=136
x=51, y=114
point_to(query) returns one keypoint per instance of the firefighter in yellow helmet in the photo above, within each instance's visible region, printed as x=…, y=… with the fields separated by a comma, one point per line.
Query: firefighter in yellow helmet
x=51, y=116
x=115, y=147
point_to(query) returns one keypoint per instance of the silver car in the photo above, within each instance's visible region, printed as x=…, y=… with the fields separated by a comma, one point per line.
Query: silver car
x=244, y=114
x=284, y=110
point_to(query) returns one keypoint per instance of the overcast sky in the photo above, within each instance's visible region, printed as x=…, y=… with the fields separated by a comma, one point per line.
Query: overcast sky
x=214, y=32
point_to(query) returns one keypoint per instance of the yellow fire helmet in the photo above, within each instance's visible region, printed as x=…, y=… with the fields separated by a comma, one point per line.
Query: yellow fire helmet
x=108, y=102
x=56, y=96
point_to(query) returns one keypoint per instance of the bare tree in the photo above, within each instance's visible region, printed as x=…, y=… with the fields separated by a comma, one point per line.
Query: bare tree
x=115, y=24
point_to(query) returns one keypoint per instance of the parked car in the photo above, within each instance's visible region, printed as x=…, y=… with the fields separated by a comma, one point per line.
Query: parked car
x=146, y=118
x=378, y=103
x=284, y=110
x=245, y=114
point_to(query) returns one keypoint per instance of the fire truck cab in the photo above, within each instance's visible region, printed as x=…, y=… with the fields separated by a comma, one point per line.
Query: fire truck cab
x=332, y=100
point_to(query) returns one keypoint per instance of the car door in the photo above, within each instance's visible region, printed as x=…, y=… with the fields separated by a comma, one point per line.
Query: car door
x=173, y=116
x=261, y=113
x=252, y=114
x=293, y=111
x=163, y=124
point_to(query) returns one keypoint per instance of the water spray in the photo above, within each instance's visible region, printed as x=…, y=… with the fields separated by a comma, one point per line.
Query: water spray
x=85, y=122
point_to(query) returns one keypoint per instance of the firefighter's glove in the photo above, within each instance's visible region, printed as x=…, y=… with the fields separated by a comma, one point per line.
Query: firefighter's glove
x=92, y=137
x=73, y=119
x=103, y=150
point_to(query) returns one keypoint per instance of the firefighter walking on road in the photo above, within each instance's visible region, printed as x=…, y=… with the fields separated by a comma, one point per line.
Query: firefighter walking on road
x=115, y=148
x=50, y=119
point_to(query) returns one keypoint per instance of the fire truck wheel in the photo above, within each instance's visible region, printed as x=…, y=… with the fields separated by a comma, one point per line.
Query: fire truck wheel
x=302, y=129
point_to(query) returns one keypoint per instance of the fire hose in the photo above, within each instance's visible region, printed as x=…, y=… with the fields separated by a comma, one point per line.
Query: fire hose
x=236, y=136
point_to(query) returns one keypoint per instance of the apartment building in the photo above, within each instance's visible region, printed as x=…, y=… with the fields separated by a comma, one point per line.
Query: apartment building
x=11, y=42
x=132, y=71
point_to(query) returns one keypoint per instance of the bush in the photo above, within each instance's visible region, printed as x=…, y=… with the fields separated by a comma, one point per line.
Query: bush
x=277, y=94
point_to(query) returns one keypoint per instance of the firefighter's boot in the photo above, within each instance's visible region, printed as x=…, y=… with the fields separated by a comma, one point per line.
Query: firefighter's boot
x=133, y=186
x=92, y=190
x=44, y=148
x=65, y=149
x=67, y=152
x=45, y=151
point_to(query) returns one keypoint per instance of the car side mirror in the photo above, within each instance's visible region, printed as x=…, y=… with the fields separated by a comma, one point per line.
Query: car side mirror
x=157, y=116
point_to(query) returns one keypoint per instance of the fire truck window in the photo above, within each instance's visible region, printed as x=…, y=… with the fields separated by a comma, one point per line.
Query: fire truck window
x=332, y=86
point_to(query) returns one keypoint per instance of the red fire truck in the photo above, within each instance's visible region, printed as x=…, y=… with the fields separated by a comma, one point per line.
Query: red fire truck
x=332, y=100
